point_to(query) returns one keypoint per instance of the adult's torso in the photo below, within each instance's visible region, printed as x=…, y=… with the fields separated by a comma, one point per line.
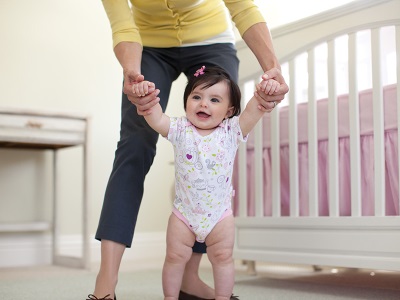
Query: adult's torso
x=179, y=22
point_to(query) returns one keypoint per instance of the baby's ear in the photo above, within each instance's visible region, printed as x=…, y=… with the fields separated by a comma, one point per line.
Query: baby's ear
x=229, y=113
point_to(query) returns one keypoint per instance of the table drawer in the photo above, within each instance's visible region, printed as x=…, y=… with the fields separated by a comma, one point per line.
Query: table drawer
x=41, y=130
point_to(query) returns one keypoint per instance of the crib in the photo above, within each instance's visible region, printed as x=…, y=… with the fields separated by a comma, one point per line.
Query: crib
x=317, y=183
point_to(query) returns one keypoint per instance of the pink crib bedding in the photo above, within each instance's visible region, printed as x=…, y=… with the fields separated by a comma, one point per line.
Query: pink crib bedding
x=367, y=160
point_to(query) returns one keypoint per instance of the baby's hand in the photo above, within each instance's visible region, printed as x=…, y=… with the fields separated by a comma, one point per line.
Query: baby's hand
x=268, y=87
x=143, y=88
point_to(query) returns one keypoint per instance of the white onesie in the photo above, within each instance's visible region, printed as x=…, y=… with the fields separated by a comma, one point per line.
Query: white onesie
x=203, y=172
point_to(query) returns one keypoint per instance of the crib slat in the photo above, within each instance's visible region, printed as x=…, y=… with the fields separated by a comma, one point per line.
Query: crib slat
x=258, y=170
x=293, y=144
x=355, y=165
x=398, y=100
x=312, y=138
x=379, y=130
x=242, y=169
x=333, y=136
x=276, y=164
x=242, y=162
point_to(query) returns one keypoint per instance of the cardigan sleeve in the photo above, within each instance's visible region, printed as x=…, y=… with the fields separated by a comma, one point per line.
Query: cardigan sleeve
x=244, y=14
x=122, y=22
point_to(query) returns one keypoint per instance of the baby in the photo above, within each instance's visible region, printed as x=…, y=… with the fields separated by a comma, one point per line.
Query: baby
x=205, y=142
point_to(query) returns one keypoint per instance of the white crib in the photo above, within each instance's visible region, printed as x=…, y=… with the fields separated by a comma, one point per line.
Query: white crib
x=318, y=181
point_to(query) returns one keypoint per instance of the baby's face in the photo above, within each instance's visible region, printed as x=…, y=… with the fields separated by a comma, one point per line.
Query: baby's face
x=207, y=108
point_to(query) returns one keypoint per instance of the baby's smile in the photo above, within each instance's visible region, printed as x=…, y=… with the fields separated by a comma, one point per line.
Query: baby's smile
x=202, y=115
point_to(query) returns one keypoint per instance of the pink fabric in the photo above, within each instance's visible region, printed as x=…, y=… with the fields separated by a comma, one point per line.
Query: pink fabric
x=367, y=159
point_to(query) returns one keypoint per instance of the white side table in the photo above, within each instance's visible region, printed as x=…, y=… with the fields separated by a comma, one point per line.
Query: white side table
x=33, y=129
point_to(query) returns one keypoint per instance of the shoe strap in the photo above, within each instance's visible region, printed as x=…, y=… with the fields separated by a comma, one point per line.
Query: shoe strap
x=93, y=297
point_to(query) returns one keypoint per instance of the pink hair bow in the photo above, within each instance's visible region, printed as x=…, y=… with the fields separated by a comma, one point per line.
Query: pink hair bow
x=200, y=71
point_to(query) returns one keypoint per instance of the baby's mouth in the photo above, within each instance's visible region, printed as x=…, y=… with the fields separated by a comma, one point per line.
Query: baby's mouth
x=202, y=115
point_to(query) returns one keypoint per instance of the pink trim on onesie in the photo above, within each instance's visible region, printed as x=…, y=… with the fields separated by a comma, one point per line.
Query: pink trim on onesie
x=179, y=215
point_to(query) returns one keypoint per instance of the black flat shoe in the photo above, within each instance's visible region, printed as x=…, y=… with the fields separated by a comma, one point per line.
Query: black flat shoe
x=185, y=296
x=93, y=297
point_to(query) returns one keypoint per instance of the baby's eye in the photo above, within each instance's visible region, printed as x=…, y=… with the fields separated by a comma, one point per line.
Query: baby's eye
x=196, y=97
x=215, y=100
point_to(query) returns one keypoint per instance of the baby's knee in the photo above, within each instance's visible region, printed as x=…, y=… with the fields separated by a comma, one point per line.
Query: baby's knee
x=178, y=256
x=220, y=256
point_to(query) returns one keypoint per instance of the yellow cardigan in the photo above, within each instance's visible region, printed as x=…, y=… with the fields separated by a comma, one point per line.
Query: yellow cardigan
x=172, y=23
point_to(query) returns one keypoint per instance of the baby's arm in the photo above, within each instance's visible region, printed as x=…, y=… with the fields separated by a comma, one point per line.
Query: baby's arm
x=156, y=118
x=252, y=114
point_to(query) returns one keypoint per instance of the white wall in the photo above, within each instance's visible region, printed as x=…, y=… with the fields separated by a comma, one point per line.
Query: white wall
x=282, y=12
x=58, y=55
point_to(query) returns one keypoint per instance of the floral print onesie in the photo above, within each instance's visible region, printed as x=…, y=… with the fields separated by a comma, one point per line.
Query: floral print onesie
x=203, y=172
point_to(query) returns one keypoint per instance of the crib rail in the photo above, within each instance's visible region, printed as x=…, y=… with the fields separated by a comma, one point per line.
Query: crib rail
x=312, y=126
x=295, y=236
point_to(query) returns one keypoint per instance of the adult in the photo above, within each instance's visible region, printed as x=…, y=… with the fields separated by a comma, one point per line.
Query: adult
x=157, y=41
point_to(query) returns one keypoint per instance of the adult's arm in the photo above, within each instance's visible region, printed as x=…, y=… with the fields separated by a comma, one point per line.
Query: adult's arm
x=129, y=55
x=128, y=50
x=258, y=39
x=254, y=31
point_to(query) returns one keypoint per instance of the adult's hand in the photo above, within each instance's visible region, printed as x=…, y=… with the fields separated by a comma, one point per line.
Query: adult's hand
x=143, y=103
x=129, y=55
x=268, y=101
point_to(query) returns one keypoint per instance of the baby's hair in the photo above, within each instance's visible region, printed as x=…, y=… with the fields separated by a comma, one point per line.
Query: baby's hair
x=210, y=76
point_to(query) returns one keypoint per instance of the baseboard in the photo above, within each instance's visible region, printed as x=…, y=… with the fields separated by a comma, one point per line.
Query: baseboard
x=22, y=250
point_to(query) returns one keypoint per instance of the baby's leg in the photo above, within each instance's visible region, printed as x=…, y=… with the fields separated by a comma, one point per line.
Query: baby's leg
x=219, y=250
x=180, y=240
